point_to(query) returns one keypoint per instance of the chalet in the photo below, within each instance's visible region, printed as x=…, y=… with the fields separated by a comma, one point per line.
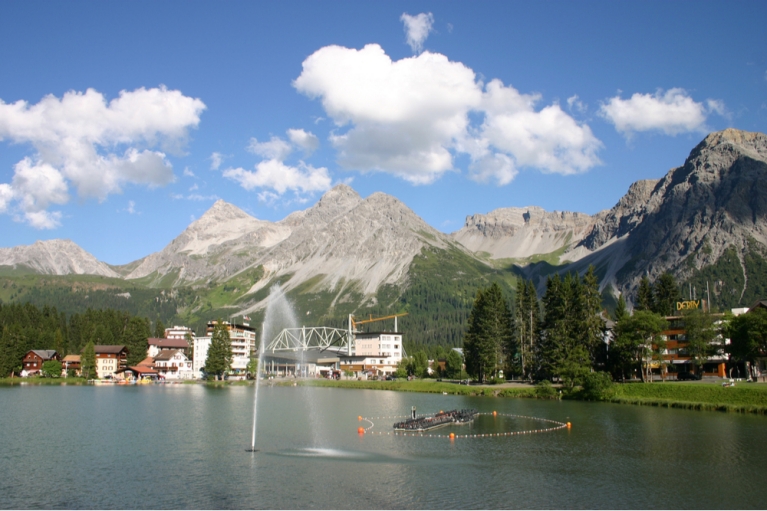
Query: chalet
x=110, y=359
x=71, y=362
x=156, y=346
x=173, y=365
x=34, y=359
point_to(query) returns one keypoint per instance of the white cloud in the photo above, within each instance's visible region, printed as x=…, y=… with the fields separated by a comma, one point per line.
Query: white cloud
x=94, y=145
x=548, y=139
x=493, y=167
x=417, y=29
x=131, y=207
x=306, y=140
x=43, y=219
x=215, y=161
x=404, y=114
x=574, y=103
x=275, y=149
x=409, y=118
x=188, y=173
x=671, y=112
x=275, y=175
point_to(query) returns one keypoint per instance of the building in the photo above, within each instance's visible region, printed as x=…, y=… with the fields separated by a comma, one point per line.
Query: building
x=71, y=362
x=33, y=361
x=173, y=365
x=243, y=338
x=110, y=359
x=200, y=354
x=178, y=332
x=376, y=353
x=156, y=346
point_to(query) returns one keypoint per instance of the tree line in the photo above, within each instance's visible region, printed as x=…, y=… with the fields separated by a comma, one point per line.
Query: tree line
x=25, y=327
x=566, y=335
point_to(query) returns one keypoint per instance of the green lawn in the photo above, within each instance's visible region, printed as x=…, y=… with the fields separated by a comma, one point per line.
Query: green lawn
x=744, y=397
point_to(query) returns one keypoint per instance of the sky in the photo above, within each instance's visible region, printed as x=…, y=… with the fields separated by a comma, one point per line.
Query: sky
x=122, y=122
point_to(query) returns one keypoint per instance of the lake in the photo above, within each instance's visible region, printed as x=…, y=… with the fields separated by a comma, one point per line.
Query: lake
x=183, y=446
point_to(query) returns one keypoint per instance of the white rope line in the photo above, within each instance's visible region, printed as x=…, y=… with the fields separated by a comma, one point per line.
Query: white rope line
x=559, y=425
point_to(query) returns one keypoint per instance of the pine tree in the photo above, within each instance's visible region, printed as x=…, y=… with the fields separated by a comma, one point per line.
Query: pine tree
x=645, y=300
x=88, y=362
x=489, y=331
x=592, y=327
x=159, y=330
x=220, y=351
x=666, y=294
x=135, y=340
x=620, y=309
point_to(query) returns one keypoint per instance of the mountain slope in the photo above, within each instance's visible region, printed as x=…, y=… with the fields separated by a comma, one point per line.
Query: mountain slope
x=54, y=257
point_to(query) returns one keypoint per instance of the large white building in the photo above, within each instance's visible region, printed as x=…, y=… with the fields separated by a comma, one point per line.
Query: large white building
x=243, y=339
x=375, y=352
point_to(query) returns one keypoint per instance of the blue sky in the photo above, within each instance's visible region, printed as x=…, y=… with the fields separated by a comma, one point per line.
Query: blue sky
x=122, y=122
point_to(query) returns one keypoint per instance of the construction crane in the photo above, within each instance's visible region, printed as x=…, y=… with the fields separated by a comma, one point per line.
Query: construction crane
x=371, y=319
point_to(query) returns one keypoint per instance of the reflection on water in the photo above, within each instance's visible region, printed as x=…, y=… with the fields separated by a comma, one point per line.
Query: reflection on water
x=183, y=446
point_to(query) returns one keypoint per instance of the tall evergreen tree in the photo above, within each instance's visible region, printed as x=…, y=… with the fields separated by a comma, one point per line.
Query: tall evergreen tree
x=88, y=362
x=489, y=331
x=666, y=294
x=592, y=327
x=645, y=300
x=219, y=359
x=135, y=340
x=159, y=329
x=525, y=326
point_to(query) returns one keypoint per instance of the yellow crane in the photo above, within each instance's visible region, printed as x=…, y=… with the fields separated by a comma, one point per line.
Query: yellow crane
x=371, y=319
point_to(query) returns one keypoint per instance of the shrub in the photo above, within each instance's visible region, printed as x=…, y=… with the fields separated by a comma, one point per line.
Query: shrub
x=496, y=381
x=598, y=386
x=544, y=390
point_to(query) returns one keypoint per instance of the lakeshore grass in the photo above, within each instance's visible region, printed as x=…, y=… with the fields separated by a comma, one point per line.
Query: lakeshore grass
x=38, y=380
x=743, y=398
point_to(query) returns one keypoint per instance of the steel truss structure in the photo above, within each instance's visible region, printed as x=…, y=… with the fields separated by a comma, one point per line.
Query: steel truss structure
x=310, y=338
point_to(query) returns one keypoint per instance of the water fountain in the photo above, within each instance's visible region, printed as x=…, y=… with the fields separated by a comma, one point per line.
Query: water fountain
x=277, y=316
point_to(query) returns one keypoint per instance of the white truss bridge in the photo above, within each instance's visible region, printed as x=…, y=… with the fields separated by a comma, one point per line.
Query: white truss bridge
x=310, y=338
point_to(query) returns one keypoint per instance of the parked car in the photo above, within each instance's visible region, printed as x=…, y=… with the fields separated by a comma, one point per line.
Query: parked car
x=687, y=376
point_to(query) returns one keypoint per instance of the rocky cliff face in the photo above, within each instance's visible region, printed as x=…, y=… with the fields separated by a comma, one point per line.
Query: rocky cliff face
x=522, y=232
x=679, y=223
x=55, y=257
x=717, y=199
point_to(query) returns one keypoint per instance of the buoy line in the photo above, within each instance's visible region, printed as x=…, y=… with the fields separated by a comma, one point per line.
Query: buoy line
x=557, y=426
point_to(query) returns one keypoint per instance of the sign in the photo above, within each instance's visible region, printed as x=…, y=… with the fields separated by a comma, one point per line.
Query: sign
x=688, y=305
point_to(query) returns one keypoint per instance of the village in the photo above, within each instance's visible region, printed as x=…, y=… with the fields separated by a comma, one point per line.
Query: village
x=180, y=355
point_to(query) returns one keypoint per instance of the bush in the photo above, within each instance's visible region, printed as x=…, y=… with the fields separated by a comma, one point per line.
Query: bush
x=598, y=386
x=544, y=390
x=496, y=381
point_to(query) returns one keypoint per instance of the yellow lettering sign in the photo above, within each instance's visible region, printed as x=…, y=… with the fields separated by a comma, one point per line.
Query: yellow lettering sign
x=688, y=305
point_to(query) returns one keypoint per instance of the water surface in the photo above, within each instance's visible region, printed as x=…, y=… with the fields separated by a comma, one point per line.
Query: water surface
x=183, y=446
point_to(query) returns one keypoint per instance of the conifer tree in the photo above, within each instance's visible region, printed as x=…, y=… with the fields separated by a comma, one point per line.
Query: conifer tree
x=665, y=295
x=159, y=329
x=135, y=340
x=489, y=330
x=645, y=300
x=88, y=362
x=219, y=359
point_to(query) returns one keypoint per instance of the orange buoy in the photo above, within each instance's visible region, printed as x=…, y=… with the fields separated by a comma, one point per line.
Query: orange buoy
x=569, y=425
x=452, y=436
x=495, y=413
x=359, y=417
x=361, y=430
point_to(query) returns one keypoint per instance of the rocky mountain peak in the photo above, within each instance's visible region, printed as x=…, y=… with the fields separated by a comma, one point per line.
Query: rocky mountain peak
x=55, y=257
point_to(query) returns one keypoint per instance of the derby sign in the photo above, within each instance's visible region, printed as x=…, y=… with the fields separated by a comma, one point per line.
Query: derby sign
x=688, y=305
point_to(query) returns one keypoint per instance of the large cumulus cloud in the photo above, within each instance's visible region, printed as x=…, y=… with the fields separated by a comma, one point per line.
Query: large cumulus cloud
x=83, y=141
x=410, y=118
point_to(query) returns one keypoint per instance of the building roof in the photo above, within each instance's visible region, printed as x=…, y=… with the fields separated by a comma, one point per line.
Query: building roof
x=167, y=355
x=109, y=348
x=45, y=354
x=180, y=344
x=375, y=334
x=72, y=358
x=148, y=362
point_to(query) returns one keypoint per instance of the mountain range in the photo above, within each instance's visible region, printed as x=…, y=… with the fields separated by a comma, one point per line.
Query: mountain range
x=703, y=221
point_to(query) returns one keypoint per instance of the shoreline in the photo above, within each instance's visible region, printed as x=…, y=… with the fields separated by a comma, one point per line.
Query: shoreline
x=746, y=398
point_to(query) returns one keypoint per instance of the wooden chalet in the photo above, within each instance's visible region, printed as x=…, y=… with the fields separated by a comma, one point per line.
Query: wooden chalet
x=34, y=359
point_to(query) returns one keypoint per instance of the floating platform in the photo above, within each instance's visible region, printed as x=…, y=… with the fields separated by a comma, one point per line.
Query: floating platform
x=429, y=422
